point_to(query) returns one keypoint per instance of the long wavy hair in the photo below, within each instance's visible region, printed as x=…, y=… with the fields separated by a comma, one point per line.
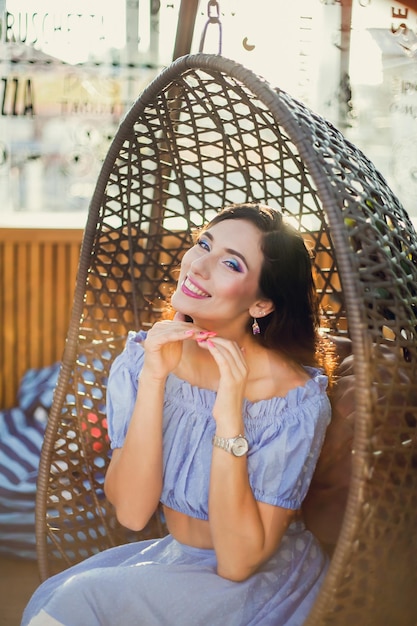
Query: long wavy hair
x=286, y=279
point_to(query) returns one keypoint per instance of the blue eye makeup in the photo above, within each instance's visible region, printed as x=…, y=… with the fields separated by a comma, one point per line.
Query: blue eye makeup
x=234, y=265
x=203, y=243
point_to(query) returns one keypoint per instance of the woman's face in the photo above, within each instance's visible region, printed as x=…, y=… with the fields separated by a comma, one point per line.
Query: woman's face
x=219, y=277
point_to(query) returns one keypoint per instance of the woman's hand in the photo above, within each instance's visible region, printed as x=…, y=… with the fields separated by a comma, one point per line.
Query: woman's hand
x=233, y=372
x=163, y=347
x=164, y=344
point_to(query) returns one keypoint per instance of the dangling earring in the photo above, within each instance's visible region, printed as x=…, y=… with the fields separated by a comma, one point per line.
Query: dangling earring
x=255, y=327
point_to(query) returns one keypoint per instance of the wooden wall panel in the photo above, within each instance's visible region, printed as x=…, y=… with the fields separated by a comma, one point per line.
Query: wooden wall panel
x=38, y=269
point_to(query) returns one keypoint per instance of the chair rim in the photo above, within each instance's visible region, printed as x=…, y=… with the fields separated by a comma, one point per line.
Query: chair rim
x=357, y=328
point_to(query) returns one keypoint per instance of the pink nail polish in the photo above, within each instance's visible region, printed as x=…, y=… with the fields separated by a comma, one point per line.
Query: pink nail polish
x=189, y=333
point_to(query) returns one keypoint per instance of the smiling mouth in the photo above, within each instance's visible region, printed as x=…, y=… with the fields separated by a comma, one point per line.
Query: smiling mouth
x=190, y=289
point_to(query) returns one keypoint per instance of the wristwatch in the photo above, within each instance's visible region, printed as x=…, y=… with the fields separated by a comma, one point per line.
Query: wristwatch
x=238, y=446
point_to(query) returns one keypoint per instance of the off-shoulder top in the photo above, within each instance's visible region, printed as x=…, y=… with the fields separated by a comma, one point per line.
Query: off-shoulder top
x=285, y=434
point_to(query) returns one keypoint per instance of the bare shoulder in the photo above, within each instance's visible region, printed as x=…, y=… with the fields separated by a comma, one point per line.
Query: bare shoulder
x=274, y=376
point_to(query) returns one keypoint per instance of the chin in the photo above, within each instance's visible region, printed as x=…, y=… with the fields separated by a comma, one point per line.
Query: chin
x=179, y=304
x=176, y=301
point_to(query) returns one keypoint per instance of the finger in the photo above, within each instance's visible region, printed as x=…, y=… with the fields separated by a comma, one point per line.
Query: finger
x=170, y=326
x=231, y=351
x=165, y=333
x=228, y=361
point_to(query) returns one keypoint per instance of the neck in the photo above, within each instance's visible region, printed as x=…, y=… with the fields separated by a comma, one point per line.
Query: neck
x=232, y=331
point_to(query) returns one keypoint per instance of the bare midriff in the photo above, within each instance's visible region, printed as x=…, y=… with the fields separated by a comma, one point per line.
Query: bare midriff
x=188, y=530
x=196, y=532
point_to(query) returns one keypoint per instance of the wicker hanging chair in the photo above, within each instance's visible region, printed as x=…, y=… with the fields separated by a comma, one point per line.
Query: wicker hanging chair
x=204, y=134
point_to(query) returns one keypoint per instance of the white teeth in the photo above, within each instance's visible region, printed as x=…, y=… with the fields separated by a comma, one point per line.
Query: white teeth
x=191, y=287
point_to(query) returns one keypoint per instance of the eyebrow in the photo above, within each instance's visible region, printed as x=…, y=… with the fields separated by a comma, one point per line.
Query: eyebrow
x=229, y=250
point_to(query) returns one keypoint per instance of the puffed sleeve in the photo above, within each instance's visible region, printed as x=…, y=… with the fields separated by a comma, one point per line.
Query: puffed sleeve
x=284, y=452
x=122, y=387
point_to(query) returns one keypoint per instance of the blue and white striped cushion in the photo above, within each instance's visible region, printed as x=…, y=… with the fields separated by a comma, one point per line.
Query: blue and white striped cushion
x=21, y=436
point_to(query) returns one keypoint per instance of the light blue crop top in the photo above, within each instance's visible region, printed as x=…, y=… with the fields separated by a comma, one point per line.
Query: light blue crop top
x=285, y=435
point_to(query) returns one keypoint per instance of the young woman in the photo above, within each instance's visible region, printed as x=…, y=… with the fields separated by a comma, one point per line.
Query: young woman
x=219, y=414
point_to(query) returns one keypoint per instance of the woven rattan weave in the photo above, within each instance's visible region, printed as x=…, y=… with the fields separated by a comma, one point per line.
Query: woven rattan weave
x=206, y=133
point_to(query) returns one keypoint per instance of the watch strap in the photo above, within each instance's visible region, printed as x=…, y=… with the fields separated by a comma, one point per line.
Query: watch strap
x=227, y=443
x=223, y=442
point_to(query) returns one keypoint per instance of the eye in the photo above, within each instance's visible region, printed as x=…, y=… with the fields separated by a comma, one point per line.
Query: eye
x=233, y=264
x=203, y=243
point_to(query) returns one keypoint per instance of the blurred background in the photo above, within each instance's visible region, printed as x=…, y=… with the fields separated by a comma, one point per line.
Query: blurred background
x=71, y=68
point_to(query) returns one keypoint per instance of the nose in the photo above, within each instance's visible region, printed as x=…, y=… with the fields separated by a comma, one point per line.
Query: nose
x=201, y=266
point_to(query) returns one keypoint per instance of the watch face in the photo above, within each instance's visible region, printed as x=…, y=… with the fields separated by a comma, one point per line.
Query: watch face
x=240, y=446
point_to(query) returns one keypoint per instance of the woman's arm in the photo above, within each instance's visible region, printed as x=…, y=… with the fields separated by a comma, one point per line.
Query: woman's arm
x=133, y=482
x=245, y=532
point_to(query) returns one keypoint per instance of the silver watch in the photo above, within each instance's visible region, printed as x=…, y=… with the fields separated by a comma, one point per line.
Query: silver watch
x=238, y=446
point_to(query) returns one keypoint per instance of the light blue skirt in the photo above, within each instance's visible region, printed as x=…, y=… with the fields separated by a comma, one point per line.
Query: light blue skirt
x=164, y=583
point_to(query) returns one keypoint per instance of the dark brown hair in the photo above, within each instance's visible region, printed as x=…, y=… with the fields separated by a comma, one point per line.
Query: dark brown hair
x=286, y=279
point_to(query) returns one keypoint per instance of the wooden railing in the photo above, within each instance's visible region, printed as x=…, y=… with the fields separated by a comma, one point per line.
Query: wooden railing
x=38, y=269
